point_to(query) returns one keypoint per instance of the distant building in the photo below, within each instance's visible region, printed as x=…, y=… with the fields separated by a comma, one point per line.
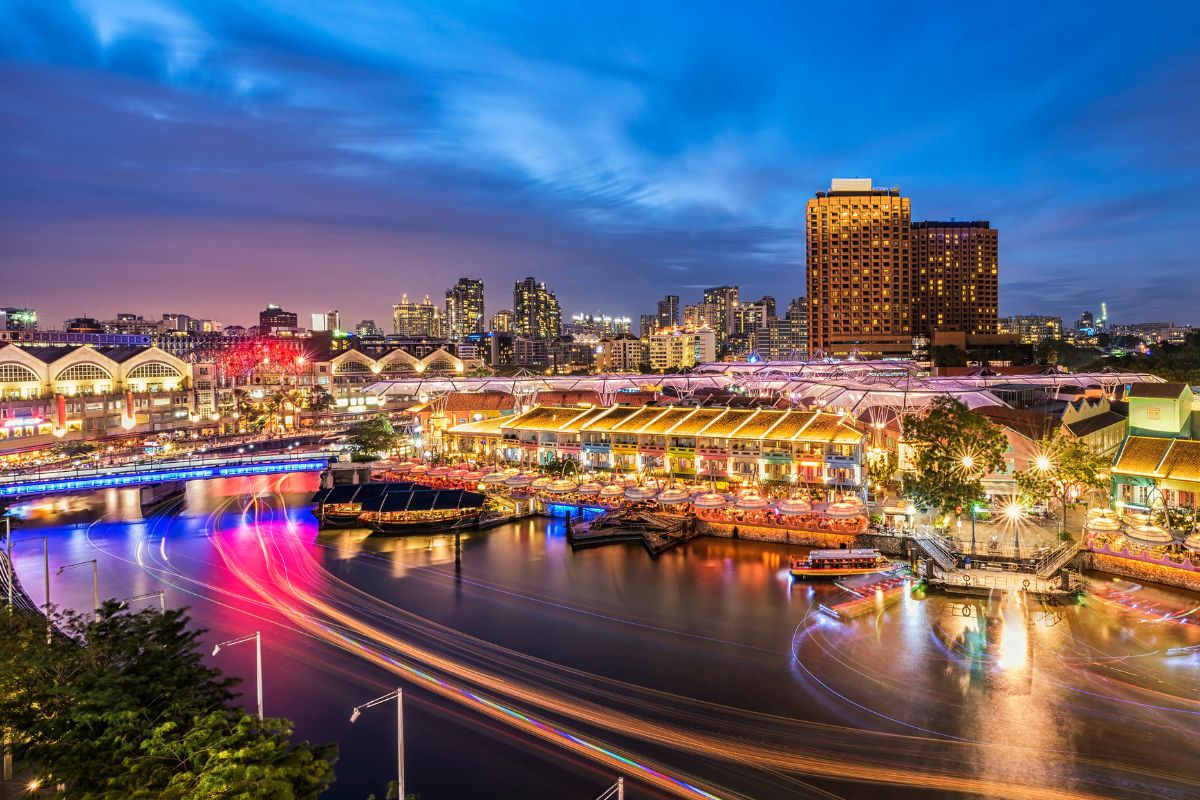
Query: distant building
x=859, y=269
x=675, y=348
x=416, y=319
x=597, y=326
x=367, y=327
x=1032, y=328
x=536, y=311
x=668, y=311
x=18, y=319
x=702, y=314
x=83, y=325
x=326, y=321
x=648, y=324
x=464, y=309
x=502, y=321
x=273, y=317
x=620, y=354
x=725, y=298
x=955, y=277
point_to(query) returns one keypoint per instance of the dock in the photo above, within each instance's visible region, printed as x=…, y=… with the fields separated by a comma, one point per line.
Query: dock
x=657, y=532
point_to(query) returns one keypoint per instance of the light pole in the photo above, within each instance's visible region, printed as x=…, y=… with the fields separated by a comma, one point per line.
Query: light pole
x=257, y=637
x=160, y=594
x=95, y=582
x=399, y=695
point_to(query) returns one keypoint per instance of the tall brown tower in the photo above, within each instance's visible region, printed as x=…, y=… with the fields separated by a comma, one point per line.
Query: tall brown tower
x=956, y=284
x=859, y=271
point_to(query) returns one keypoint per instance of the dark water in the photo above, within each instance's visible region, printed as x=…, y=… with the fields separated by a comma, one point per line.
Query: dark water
x=714, y=637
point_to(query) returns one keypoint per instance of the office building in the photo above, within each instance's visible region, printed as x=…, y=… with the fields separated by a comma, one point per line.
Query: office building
x=502, y=321
x=725, y=298
x=858, y=256
x=416, y=319
x=668, y=311
x=367, y=327
x=1032, y=328
x=676, y=348
x=702, y=315
x=326, y=321
x=271, y=319
x=620, y=354
x=537, y=314
x=955, y=278
x=647, y=324
x=464, y=309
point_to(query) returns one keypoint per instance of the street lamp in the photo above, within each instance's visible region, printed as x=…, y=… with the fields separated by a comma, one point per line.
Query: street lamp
x=399, y=695
x=160, y=594
x=95, y=582
x=1014, y=513
x=257, y=637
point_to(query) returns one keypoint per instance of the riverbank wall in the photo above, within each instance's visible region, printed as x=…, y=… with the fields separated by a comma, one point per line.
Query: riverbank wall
x=1138, y=571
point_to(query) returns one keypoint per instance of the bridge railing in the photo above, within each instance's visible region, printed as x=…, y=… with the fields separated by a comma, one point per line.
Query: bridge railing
x=166, y=465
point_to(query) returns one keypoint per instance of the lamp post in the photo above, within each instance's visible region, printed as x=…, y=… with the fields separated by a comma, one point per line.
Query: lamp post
x=257, y=637
x=160, y=594
x=399, y=695
x=95, y=582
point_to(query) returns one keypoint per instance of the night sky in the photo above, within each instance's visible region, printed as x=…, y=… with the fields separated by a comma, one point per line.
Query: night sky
x=207, y=159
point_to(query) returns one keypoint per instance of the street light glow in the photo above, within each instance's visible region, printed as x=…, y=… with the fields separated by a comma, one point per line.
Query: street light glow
x=1042, y=462
x=968, y=461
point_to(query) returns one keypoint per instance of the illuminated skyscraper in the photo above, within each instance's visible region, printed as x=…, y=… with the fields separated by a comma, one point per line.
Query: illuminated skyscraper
x=464, y=309
x=725, y=298
x=955, y=277
x=502, y=321
x=416, y=319
x=668, y=311
x=536, y=310
x=859, y=270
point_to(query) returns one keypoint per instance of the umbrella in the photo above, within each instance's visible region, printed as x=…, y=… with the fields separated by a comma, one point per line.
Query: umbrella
x=639, y=493
x=843, y=510
x=419, y=469
x=710, y=500
x=1192, y=541
x=591, y=487
x=517, y=481
x=1103, y=524
x=1150, y=533
x=402, y=466
x=792, y=507
x=612, y=490
x=495, y=477
x=752, y=501
x=439, y=471
x=541, y=483
x=673, y=496
x=560, y=486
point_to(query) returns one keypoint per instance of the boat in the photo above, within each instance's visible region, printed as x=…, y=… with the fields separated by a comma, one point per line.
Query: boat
x=423, y=510
x=839, y=563
x=341, y=506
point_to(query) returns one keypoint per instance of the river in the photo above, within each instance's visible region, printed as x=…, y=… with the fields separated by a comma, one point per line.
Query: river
x=707, y=664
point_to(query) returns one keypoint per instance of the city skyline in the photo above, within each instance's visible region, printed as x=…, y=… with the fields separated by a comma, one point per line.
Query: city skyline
x=253, y=147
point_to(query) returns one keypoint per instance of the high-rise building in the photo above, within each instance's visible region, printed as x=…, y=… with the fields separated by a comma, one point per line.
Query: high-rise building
x=1032, y=328
x=464, y=309
x=620, y=354
x=702, y=314
x=537, y=314
x=326, y=321
x=367, y=327
x=597, y=326
x=859, y=270
x=502, y=321
x=673, y=348
x=725, y=298
x=647, y=324
x=273, y=317
x=955, y=277
x=18, y=319
x=416, y=319
x=668, y=311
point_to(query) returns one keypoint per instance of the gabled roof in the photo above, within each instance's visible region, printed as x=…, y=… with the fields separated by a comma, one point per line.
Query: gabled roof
x=1096, y=422
x=697, y=421
x=545, y=418
x=480, y=401
x=568, y=397
x=1163, y=391
x=1141, y=455
x=1033, y=425
x=49, y=354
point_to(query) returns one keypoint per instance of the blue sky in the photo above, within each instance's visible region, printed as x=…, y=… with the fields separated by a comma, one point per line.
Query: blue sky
x=209, y=157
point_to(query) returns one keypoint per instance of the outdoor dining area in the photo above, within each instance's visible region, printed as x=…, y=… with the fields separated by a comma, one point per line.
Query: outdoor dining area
x=1136, y=536
x=845, y=514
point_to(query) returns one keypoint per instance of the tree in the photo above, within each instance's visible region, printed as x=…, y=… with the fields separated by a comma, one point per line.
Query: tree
x=1063, y=467
x=123, y=707
x=953, y=448
x=72, y=449
x=1045, y=352
x=371, y=438
x=319, y=399
x=881, y=467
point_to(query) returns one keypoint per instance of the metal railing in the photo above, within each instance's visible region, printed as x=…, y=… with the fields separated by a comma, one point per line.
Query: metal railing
x=174, y=464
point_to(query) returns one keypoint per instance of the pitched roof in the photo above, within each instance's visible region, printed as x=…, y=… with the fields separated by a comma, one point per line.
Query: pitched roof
x=1182, y=462
x=1096, y=422
x=480, y=401
x=1033, y=425
x=1141, y=455
x=697, y=421
x=1164, y=391
x=568, y=397
x=545, y=418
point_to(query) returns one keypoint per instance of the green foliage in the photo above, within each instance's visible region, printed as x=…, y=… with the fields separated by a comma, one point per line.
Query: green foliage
x=948, y=355
x=1045, y=352
x=371, y=437
x=881, y=467
x=319, y=399
x=1071, y=468
x=70, y=449
x=123, y=707
x=941, y=438
x=1175, y=362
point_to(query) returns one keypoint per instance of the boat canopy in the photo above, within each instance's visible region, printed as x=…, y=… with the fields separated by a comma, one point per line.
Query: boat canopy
x=839, y=555
x=427, y=500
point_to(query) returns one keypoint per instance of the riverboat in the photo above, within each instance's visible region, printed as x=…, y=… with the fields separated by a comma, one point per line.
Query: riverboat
x=423, y=510
x=839, y=563
x=341, y=506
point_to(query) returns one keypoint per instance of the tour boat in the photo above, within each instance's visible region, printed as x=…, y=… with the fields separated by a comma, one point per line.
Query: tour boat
x=839, y=563
x=423, y=510
x=341, y=506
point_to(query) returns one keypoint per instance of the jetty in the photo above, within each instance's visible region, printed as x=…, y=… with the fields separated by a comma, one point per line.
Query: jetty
x=657, y=532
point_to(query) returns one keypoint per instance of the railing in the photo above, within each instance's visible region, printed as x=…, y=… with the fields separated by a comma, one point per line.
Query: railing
x=1052, y=562
x=936, y=548
x=180, y=463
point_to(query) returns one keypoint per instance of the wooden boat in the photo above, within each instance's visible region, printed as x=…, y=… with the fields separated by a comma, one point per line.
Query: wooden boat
x=342, y=505
x=839, y=563
x=423, y=510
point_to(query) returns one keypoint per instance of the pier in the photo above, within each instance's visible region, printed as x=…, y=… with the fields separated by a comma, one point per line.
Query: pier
x=949, y=568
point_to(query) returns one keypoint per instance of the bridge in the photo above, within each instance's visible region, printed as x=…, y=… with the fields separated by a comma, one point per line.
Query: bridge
x=129, y=475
